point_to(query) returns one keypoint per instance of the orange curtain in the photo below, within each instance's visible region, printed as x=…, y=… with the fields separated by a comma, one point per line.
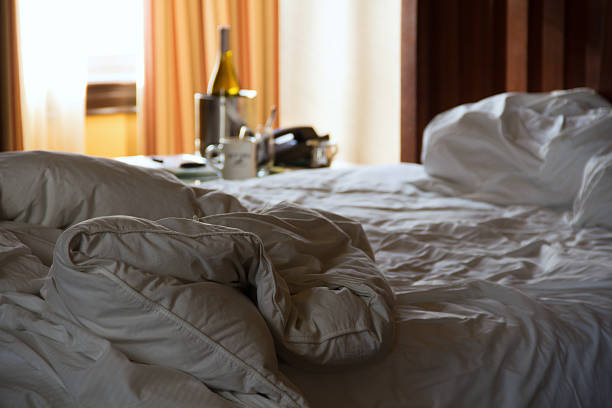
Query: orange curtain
x=11, y=135
x=180, y=51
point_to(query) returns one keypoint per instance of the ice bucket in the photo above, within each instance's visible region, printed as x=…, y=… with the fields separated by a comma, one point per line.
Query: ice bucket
x=219, y=117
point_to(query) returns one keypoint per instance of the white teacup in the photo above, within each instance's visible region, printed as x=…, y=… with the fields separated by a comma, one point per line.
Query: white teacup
x=235, y=158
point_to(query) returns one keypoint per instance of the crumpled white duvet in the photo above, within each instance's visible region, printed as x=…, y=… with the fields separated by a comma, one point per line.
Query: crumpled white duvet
x=502, y=292
x=215, y=298
x=48, y=361
x=495, y=305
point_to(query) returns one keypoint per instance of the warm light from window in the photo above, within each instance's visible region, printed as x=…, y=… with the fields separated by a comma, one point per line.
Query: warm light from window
x=105, y=36
x=114, y=40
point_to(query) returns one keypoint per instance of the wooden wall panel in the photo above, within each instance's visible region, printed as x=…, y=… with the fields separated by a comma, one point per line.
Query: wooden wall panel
x=569, y=41
x=605, y=78
x=517, y=28
x=410, y=145
x=598, y=26
x=575, y=43
x=460, y=51
x=553, y=30
x=442, y=72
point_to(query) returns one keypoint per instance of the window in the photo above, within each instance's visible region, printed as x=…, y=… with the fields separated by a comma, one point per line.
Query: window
x=114, y=54
x=114, y=41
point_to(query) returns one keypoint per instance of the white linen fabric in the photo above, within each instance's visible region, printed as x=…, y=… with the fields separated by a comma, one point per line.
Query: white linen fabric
x=496, y=305
x=159, y=296
x=593, y=204
x=517, y=148
x=323, y=262
x=21, y=271
x=168, y=293
x=48, y=361
x=40, y=240
x=53, y=189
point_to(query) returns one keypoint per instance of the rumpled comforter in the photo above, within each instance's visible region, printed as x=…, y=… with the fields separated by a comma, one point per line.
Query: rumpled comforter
x=176, y=293
x=502, y=292
x=496, y=306
x=204, y=303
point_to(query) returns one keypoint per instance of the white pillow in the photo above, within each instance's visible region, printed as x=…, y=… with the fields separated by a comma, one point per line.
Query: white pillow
x=60, y=189
x=517, y=148
x=170, y=297
x=593, y=205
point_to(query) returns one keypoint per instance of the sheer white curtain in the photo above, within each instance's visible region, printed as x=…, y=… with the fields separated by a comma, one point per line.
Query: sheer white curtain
x=53, y=65
x=340, y=71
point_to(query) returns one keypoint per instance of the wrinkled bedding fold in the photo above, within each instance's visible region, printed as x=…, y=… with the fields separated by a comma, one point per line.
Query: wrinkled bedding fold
x=176, y=293
x=466, y=281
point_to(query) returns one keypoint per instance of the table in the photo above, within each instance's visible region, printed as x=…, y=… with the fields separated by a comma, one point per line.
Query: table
x=191, y=169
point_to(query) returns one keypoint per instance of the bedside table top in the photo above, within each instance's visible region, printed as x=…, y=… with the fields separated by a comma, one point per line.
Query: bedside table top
x=189, y=168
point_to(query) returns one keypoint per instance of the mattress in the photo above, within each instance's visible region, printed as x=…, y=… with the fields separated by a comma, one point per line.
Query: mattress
x=496, y=305
x=482, y=277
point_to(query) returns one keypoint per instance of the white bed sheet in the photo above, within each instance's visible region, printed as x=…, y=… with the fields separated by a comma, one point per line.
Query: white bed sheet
x=497, y=305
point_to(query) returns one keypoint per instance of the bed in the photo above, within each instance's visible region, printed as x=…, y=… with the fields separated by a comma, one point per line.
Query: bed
x=482, y=277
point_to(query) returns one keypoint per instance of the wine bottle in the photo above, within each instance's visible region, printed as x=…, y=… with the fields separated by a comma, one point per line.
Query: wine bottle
x=224, y=81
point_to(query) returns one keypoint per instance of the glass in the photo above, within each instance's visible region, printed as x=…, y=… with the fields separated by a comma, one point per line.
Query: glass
x=264, y=139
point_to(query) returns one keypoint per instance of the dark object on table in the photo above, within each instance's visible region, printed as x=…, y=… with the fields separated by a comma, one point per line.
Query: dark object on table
x=302, y=147
x=191, y=165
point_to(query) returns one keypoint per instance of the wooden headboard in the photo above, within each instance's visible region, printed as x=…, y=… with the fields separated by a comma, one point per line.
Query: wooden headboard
x=460, y=51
